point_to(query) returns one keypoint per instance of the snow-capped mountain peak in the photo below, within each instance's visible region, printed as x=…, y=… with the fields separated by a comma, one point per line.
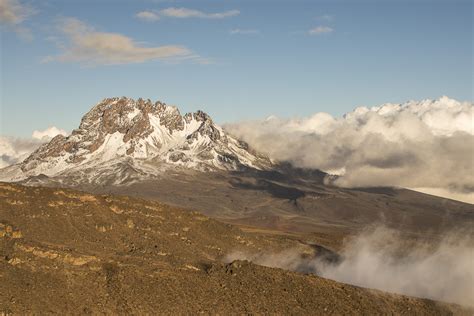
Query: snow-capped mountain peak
x=141, y=132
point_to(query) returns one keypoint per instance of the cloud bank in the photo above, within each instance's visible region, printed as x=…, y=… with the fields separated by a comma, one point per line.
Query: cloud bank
x=381, y=259
x=183, y=13
x=84, y=44
x=427, y=144
x=14, y=150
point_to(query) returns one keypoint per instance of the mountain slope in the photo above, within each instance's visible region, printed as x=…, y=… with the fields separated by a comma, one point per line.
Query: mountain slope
x=137, y=136
x=67, y=252
x=149, y=150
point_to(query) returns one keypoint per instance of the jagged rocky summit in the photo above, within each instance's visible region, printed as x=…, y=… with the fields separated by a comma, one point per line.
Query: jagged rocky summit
x=127, y=137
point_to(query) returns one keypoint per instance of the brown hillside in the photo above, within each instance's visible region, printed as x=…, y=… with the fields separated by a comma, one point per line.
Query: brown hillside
x=68, y=252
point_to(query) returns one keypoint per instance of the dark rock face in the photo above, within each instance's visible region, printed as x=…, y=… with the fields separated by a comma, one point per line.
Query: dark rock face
x=206, y=129
x=126, y=116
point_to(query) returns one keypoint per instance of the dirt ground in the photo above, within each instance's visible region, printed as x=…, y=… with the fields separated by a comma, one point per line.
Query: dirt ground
x=67, y=252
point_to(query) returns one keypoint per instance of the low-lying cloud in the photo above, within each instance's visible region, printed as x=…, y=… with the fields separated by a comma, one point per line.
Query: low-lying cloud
x=427, y=144
x=14, y=149
x=381, y=259
x=83, y=44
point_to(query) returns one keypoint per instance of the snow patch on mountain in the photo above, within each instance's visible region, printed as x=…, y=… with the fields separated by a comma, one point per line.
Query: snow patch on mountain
x=136, y=134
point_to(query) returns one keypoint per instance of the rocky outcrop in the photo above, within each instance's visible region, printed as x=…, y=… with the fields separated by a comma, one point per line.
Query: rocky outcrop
x=124, y=128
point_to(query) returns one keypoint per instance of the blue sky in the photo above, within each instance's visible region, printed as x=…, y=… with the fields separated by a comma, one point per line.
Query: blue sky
x=233, y=59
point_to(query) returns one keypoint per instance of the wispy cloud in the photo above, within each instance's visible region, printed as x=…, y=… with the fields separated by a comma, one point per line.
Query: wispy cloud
x=83, y=44
x=12, y=15
x=244, y=31
x=12, y=12
x=183, y=13
x=321, y=30
x=148, y=16
x=190, y=13
x=325, y=17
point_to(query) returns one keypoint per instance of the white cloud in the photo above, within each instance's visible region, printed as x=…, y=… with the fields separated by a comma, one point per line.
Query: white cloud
x=190, y=13
x=85, y=45
x=321, y=30
x=183, y=13
x=14, y=150
x=244, y=32
x=13, y=13
x=427, y=144
x=48, y=133
x=384, y=259
x=381, y=258
x=148, y=16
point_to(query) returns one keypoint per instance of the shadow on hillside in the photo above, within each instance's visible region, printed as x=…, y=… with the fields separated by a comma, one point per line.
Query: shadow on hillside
x=276, y=190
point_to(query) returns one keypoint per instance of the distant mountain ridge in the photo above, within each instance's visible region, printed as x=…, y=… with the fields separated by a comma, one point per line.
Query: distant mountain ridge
x=138, y=135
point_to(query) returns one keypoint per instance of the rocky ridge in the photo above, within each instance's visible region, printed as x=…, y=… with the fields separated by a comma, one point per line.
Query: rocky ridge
x=138, y=135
